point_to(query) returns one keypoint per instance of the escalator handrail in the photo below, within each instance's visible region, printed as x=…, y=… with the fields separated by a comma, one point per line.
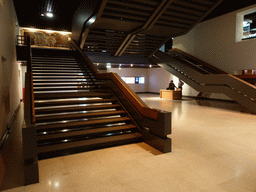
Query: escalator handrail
x=175, y=50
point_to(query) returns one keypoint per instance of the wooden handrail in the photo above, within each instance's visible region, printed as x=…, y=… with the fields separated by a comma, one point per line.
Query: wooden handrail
x=144, y=110
x=29, y=102
x=198, y=60
x=94, y=71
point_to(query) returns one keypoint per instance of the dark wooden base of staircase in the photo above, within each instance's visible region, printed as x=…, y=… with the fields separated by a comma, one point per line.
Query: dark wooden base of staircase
x=88, y=145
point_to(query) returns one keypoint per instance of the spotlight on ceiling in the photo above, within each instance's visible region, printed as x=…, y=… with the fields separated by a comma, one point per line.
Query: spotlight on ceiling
x=49, y=14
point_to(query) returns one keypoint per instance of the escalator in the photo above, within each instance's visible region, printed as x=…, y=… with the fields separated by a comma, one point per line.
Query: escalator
x=206, y=78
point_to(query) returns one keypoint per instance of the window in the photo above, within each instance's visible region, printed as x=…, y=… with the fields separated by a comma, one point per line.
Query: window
x=129, y=80
x=140, y=80
x=249, y=26
x=134, y=80
x=246, y=25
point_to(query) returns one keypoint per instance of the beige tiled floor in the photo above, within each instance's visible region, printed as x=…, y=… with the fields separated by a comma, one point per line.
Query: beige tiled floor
x=214, y=150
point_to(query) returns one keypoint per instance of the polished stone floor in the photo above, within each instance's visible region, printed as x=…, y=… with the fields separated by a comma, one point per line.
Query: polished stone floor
x=214, y=150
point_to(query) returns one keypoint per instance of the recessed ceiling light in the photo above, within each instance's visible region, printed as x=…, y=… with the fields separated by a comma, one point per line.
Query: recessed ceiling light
x=49, y=14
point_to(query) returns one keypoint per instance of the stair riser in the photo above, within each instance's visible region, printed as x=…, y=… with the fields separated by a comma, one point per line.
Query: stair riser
x=76, y=147
x=80, y=137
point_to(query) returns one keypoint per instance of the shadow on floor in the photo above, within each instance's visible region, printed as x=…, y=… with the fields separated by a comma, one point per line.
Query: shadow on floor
x=220, y=104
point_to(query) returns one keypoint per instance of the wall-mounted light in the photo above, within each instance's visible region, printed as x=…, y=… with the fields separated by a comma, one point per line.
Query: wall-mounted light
x=150, y=66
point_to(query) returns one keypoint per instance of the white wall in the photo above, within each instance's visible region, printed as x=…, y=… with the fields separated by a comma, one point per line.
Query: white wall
x=218, y=42
x=215, y=42
x=9, y=69
x=155, y=78
x=158, y=79
x=133, y=72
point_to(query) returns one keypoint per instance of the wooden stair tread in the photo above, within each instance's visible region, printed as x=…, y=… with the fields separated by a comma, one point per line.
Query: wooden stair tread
x=38, y=85
x=72, y=102
x=82, y=123
x=41, y=137
x=78, y=87
x=62, y=77
x=39, y=96
x=79, y=108
x=45, y=65
x=78, y=116
x=59, y=71
x=60, y=74
x=56, y=67
x=63, y=81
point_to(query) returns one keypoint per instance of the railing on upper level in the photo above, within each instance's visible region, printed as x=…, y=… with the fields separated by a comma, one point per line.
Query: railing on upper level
x=221, y=82
x=154, y=124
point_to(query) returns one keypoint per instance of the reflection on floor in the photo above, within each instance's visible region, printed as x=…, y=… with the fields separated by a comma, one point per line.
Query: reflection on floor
x=214, y=149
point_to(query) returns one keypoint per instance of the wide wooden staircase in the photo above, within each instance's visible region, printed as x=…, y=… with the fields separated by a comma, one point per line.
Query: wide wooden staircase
x=74, y=111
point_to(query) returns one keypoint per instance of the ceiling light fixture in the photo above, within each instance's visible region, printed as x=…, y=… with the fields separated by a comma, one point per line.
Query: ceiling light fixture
x=48, y=9
x=108, y=65
x=49, y=14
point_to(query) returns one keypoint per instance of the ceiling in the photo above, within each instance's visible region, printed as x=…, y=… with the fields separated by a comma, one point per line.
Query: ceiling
x=29, y=12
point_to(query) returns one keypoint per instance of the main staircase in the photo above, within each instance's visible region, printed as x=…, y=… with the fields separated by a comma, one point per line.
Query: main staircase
x=74, y=111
